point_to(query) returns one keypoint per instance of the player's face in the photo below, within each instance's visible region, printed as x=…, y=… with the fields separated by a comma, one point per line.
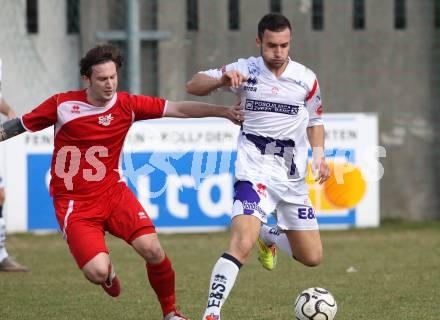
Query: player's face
x=103, y=81
x=274, y=47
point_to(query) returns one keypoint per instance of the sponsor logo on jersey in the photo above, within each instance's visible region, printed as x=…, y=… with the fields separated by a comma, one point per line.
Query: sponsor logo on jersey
x=105, y=120
x=275, y=90
x=252, y=81
x=267, y=106
x=251, y=84
x=249, y=88
x=261, y=189
x=254, y=70
x=75, y=109
x=142, y=215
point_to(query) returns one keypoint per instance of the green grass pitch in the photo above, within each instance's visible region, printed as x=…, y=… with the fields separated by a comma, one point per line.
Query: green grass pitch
x=397, y=276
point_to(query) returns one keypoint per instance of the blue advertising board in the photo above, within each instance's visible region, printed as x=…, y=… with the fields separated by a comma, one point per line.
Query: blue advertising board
x=183, y=175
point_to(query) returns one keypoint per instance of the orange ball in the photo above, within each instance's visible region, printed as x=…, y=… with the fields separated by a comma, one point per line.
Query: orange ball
x=345, y=186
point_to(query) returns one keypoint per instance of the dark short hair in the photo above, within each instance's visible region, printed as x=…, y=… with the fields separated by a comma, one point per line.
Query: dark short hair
x=273, y=22
x=100, y=54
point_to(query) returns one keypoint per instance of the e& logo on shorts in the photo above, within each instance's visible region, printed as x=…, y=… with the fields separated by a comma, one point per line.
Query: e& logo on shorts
x=306, y=213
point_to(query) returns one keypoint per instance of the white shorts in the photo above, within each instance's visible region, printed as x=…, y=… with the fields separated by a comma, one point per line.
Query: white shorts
x=292, y=212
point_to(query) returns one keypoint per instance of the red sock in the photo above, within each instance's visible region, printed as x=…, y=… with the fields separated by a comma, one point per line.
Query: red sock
x=161, y=277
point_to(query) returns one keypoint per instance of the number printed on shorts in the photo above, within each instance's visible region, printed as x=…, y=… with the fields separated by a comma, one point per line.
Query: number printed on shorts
x=306, y=213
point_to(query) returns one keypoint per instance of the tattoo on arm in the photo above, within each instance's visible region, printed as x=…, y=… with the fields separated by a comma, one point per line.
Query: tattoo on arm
x=10, y=129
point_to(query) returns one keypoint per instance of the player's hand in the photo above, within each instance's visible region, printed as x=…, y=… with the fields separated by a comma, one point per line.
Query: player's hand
x=235, y=114
x=11, y=114
x=321, y=170
x=232, y=79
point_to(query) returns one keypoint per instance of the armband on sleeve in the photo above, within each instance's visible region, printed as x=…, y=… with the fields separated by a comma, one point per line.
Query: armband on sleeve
x=11, y=128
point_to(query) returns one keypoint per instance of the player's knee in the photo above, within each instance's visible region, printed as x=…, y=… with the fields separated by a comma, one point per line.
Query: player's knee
x=312, y=259
x=153, y=253
x=97, y=274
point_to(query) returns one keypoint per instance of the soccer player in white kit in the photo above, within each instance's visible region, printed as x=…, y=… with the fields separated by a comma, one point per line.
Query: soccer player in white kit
x=282, y=105
x=7, y=263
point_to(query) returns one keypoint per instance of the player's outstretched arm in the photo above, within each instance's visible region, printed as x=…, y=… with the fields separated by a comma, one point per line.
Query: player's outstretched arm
x=11, y=128
x=202, y=84
x=193, y=109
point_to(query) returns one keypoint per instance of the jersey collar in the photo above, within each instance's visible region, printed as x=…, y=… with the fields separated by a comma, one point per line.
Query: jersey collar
x=270, y=73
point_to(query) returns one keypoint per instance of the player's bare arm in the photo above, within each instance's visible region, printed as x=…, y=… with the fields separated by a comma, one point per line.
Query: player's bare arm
x=6, y=109
x=202, y=84
x=10, y=129
x=192, y=109
x=320, y=167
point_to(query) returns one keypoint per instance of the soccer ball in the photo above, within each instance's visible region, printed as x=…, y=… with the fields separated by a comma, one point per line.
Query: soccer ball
x=315, y=304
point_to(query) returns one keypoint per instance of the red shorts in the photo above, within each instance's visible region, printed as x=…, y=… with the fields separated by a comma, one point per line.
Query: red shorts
x=84, y=222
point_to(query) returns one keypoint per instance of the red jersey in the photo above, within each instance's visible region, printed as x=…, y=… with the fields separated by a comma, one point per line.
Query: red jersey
x=88, y=140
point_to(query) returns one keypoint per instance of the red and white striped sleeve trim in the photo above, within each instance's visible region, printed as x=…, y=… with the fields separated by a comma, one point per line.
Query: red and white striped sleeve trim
x=312, y=92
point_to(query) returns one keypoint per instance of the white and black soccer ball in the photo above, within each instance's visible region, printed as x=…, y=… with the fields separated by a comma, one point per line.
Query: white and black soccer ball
x=315, y=304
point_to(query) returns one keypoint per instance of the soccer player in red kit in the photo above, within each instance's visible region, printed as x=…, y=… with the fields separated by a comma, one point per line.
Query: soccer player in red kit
x=89, y=195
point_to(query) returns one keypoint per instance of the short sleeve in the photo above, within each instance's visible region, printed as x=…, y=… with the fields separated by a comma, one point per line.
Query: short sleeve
x=314, y=105
x=43, y=116
x=146, y=107
x=240, y=65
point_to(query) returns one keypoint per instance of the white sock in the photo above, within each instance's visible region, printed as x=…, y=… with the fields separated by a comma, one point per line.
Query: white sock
x=3, y=252
x=271, y=235
x=223, y=278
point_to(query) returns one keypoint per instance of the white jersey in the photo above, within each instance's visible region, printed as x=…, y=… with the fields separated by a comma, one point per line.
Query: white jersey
x=273, y=144
x=0, y=79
